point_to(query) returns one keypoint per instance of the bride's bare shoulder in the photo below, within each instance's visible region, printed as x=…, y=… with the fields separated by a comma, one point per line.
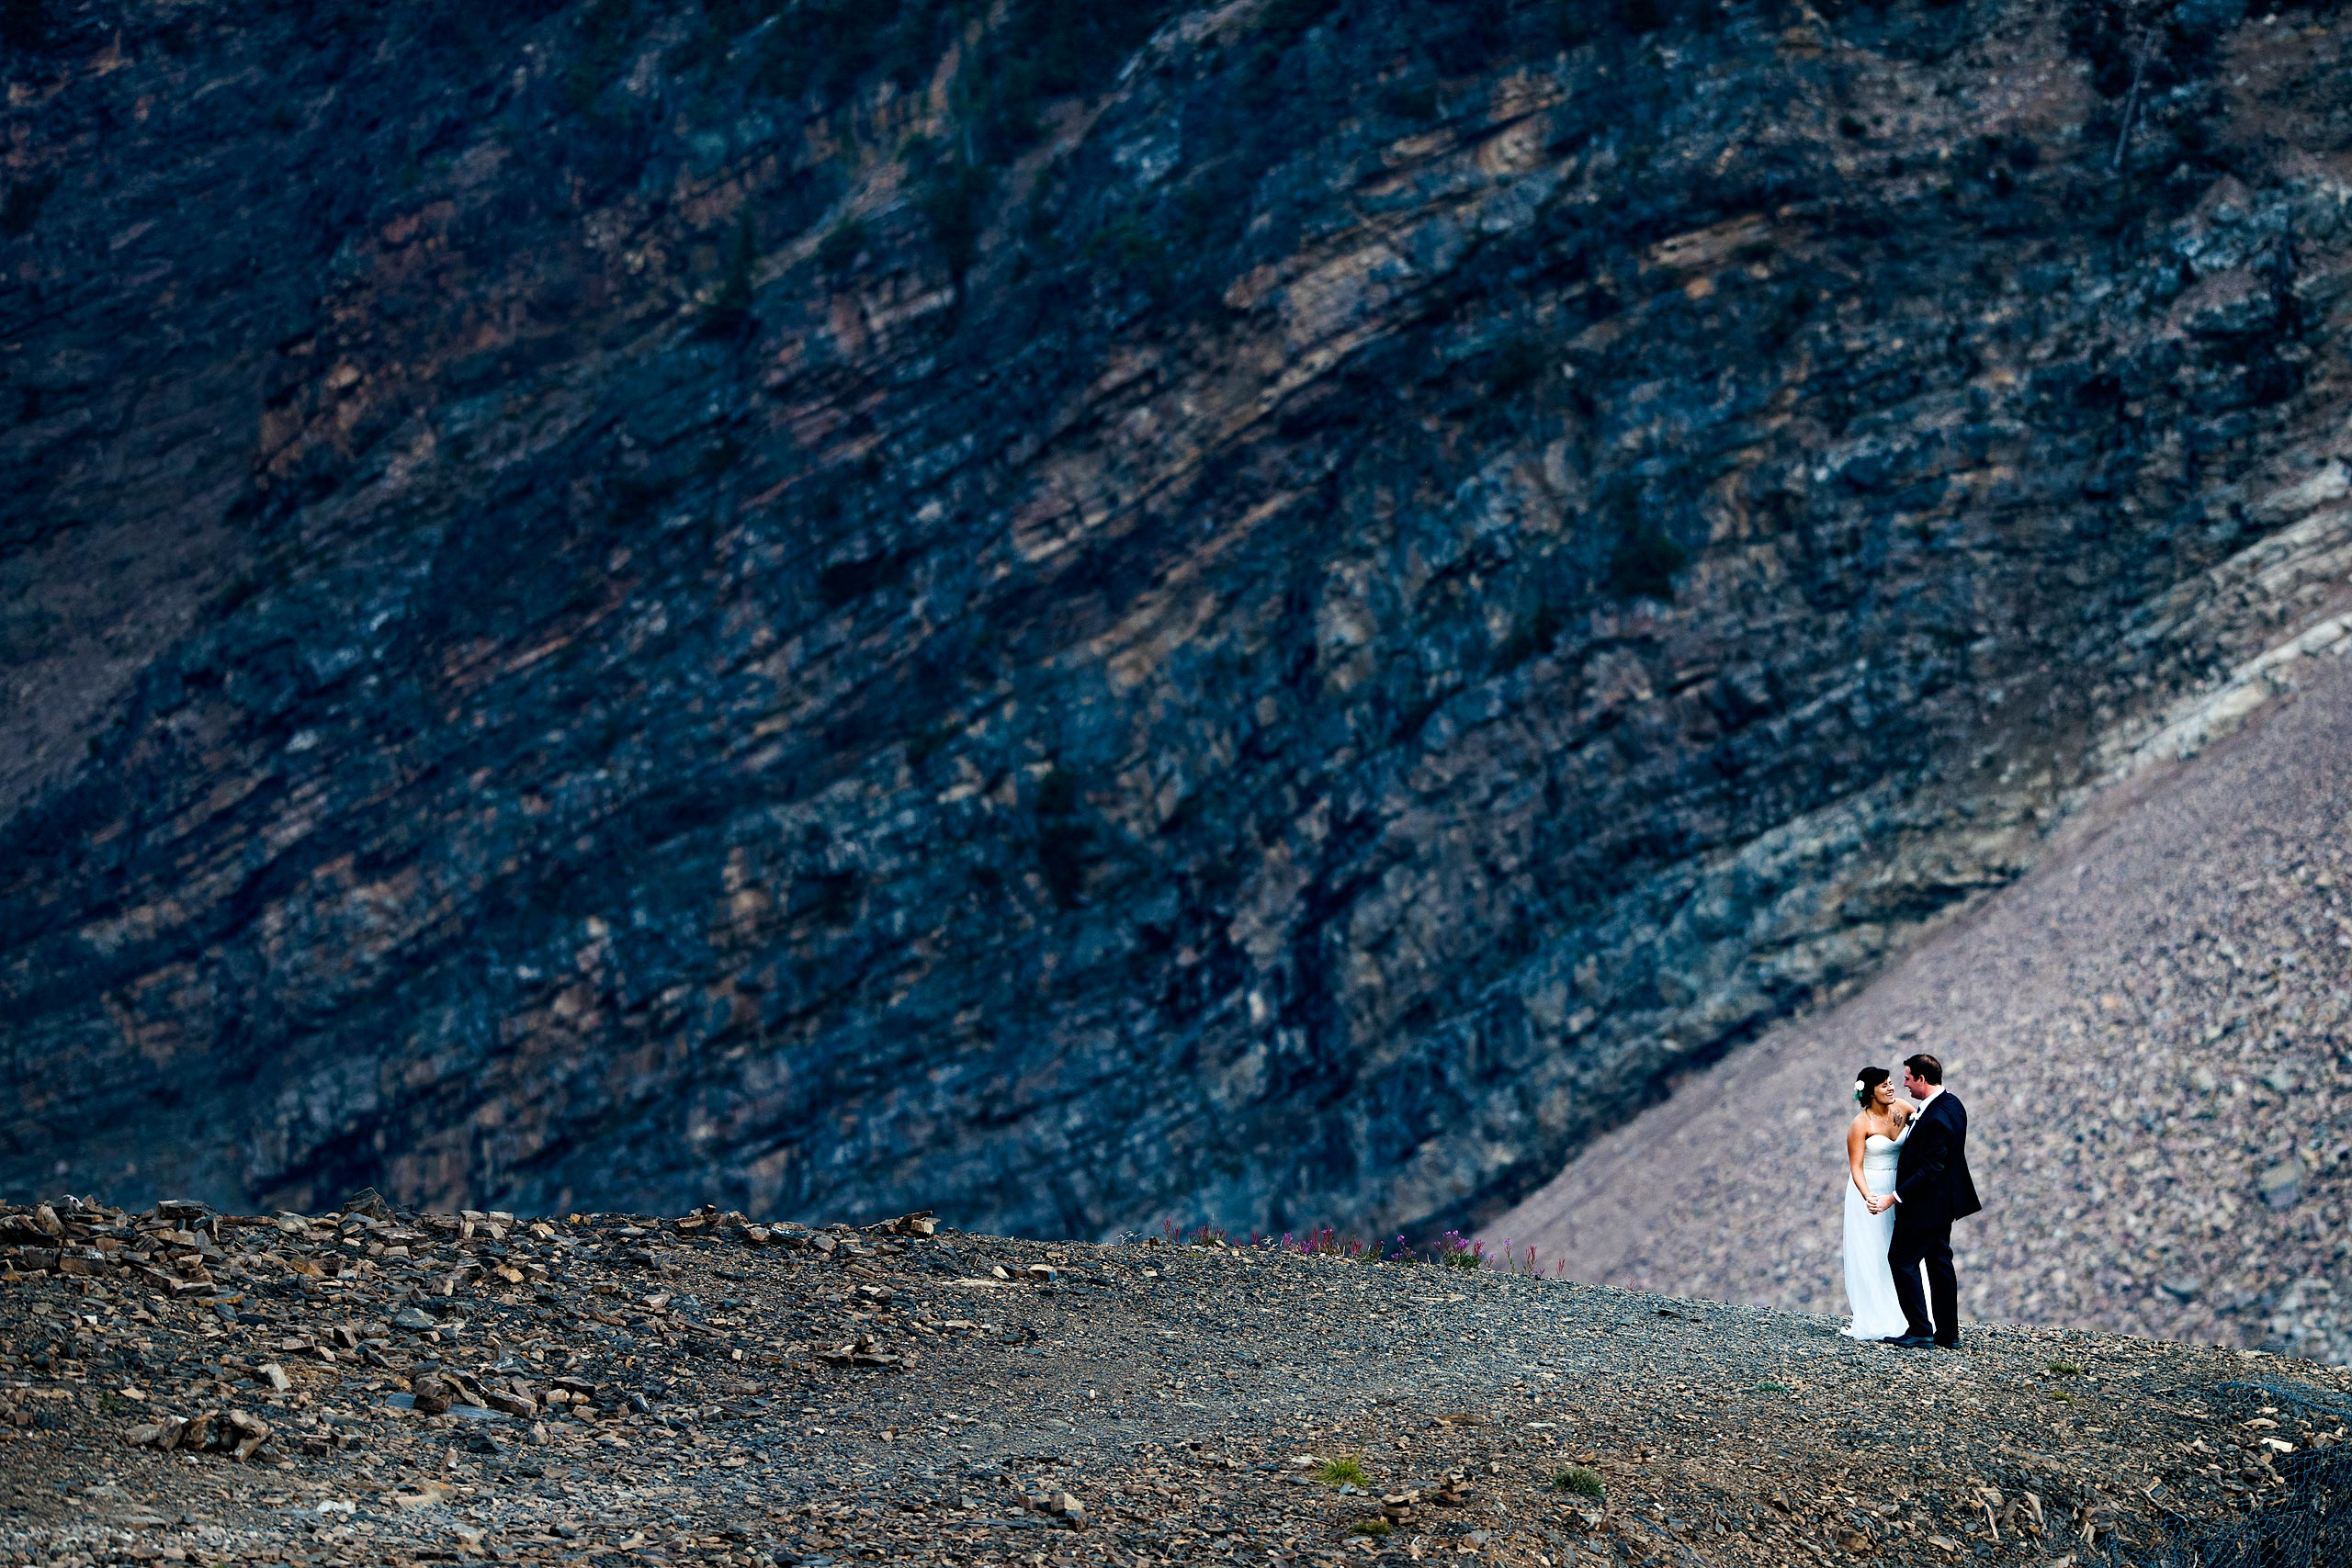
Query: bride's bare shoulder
x=1903, y=1110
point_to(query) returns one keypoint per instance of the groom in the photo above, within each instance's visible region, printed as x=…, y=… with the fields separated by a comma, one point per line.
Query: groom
x=1931, y=1189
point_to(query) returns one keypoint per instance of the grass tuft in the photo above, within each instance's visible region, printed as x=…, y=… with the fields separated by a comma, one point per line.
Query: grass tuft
x=1211, y=1236
x=1453, y=1250
x=1371, y=1528
x=1344, y=1471
x=2065, y=1370
x=1771, y=1388
x=1456, y=1251
x=1579, y=1480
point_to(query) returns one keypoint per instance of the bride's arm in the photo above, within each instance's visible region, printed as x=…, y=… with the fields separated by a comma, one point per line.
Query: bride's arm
x=1855, y=1138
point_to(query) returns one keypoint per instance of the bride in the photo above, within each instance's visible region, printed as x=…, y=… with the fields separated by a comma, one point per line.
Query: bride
x=1873, y=1143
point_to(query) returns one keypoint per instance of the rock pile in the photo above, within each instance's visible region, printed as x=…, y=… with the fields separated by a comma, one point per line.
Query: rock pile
x=374, y=1388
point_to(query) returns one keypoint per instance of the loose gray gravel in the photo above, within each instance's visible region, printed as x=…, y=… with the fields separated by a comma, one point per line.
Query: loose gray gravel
x=699, y=1389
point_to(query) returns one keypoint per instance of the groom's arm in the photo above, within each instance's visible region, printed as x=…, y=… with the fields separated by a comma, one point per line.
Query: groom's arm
x=1934, y=1154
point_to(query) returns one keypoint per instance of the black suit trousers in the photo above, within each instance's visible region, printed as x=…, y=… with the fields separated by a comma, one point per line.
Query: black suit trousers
x=1930, y=1245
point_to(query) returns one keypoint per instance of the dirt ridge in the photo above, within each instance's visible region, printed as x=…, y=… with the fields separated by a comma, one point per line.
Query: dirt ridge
x=386, y=1387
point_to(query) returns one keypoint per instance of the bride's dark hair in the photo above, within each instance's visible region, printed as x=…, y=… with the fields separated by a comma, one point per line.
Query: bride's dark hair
x=1866, y=1080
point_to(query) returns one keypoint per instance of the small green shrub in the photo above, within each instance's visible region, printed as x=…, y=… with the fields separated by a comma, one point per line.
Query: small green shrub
x=1771, y=1388
x=1643, y=563
x=955, y=195
x=1580, y=1480
x=836, y=898
x=24, y=24
x=1456, y=1251
x=718, y=457
x=1533, y=637
x=2065, y=1370
x=604, y=50
x=1414, y=101
x=841, y=245
x=1201, y=1236
x=237, y=592
x=20, y=206
x=730, y=309
x=1344, y=1471
x=846, y=581
x=1064, y=838
x=1519, y=363
x=1129, y=248
x=2062, y=1396
x=928, y=743
x=832, y=46
x=1286, y=21
x=1325, y=1241
x=1374, y=1528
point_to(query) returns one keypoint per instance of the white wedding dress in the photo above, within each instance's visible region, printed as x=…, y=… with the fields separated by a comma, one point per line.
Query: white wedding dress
x=1870, y=1282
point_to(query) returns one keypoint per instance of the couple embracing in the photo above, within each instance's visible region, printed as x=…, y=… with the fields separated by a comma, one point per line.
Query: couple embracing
x=1908, y=1161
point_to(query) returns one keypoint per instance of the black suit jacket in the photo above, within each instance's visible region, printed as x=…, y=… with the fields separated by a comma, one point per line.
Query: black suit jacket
x=1931, y=1183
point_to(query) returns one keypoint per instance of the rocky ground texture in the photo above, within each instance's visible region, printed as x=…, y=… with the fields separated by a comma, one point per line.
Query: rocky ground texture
x=380, y=1387
x=2152, y=1033
x=1275, y=608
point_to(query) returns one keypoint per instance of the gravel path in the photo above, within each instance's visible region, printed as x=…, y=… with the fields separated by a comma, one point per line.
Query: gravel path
x=2151, y=1034
x=635, y=1390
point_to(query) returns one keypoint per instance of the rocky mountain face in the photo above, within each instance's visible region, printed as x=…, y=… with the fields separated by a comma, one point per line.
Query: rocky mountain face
x=1268, y=611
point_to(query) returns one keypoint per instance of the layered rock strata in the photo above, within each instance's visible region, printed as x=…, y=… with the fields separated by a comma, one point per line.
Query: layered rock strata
x=1274, y=614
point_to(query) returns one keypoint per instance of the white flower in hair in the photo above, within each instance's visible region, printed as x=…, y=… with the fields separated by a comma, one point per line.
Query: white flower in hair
x=1858, y=1086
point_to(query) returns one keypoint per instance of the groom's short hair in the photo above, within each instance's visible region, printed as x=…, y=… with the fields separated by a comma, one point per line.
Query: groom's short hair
x=1926, y=1068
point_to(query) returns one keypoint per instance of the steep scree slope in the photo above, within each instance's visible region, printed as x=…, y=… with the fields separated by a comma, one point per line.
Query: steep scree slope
x=2152, y=1033
x=1272, y=608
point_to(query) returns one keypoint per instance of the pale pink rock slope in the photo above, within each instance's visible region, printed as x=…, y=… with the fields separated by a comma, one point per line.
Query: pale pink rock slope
x=2150, y=1033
